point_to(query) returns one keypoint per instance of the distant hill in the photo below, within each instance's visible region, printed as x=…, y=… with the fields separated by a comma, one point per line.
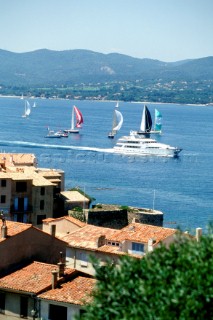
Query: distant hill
x=46, y=67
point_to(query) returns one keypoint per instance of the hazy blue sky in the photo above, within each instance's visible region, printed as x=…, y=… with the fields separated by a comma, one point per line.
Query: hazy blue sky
x=167, y=30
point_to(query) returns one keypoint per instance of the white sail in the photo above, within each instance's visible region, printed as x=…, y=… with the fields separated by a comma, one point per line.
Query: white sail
x=119, y=118
x=117, y=122
x=143, y=121
x=28, y=108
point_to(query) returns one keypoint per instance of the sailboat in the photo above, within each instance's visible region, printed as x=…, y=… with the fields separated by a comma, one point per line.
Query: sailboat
x=78, y=117
x=27, y=109
x=116, y=122
x=146, y=123
x=34, y=105
x=158, y=122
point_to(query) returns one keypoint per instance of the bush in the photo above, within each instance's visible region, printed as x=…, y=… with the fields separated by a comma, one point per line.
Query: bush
x=173, y=283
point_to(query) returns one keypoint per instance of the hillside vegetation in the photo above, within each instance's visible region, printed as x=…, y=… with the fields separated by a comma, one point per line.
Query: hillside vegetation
x=86, y=74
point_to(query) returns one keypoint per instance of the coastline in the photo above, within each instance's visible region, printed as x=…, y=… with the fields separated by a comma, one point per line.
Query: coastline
x=133, y=102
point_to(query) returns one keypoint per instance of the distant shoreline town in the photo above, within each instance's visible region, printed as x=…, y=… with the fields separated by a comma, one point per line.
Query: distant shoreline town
x=102, y=101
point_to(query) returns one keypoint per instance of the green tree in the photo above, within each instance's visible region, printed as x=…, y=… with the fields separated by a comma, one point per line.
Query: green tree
x=168, y=284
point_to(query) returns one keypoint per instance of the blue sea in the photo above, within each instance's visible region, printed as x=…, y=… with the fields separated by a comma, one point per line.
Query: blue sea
x=181, y=188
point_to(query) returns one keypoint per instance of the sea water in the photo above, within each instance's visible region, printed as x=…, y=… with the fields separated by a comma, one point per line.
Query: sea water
x=181, y=188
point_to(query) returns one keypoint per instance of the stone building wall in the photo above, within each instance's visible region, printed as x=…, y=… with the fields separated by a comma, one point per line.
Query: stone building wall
x=146, y=216
x=107, y=216
x=116, y=217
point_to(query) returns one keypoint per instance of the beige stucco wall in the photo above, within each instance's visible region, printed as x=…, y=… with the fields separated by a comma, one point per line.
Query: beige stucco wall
x=74, y=259
x=167, y=241
x=63, y=226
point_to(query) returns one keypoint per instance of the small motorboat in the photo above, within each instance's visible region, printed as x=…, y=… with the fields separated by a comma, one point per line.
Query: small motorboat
x=57, y=134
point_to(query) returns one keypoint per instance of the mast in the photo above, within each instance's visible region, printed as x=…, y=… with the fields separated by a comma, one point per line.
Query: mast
x=114, y=121
x=72, y=119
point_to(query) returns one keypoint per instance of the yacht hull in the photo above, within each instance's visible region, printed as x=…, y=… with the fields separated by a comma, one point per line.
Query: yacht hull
x=141, y=146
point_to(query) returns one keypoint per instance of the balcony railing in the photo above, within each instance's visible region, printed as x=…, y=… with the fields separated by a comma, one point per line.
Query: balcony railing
x=28, y=210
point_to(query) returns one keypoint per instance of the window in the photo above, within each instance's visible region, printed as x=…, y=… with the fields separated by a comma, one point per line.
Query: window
x=3, y=199
x=137, y=248
x=23, y=307
x=42, y=191
x=2, y=302
x=113, y=243
x=3, y=183
x=57, y=312
x=42, y=205
x=40, y=218
x=84, y=259
x=21, y=186
x=82, y=311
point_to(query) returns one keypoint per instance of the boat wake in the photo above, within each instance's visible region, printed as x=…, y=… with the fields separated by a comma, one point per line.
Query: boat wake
x=52, y=146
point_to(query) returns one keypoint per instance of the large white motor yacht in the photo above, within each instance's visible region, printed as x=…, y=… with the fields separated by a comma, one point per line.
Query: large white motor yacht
x=135, y=144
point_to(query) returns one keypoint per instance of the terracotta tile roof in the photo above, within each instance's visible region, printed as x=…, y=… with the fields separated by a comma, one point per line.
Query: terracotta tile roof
x=14, y=228
x=26, y=173
x=75, y=221
x=68, y=218
x=87, y=237
x=76, y=291
x=115, y=250
x=74, y=196
x=49, y=173
x=17, y=158
x=33, y=278
x=111, y=249
x=141, y=233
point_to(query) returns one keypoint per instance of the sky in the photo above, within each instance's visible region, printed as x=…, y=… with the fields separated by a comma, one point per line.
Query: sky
x=166, y=30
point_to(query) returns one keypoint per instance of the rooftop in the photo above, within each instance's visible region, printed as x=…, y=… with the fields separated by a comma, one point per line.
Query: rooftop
x=33, y=278
x=14, y=228
x=23, y=167
x=88, y=236
x=17, y=159
x=68, y=218
x=76, y=291
x=74, y=196
x=142, y=233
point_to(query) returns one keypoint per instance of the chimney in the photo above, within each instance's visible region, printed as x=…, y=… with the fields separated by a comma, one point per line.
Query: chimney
x=61, y=265
x=131, y=228
x=101, y=241
x=4, y=231
x=4, y=226
x=61, y=268
x=54, y=279
x=150, y=244
x=53, y=230
x=198, y=234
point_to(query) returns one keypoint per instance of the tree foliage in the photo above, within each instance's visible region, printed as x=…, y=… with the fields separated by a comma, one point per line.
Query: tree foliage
x=173, y=283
